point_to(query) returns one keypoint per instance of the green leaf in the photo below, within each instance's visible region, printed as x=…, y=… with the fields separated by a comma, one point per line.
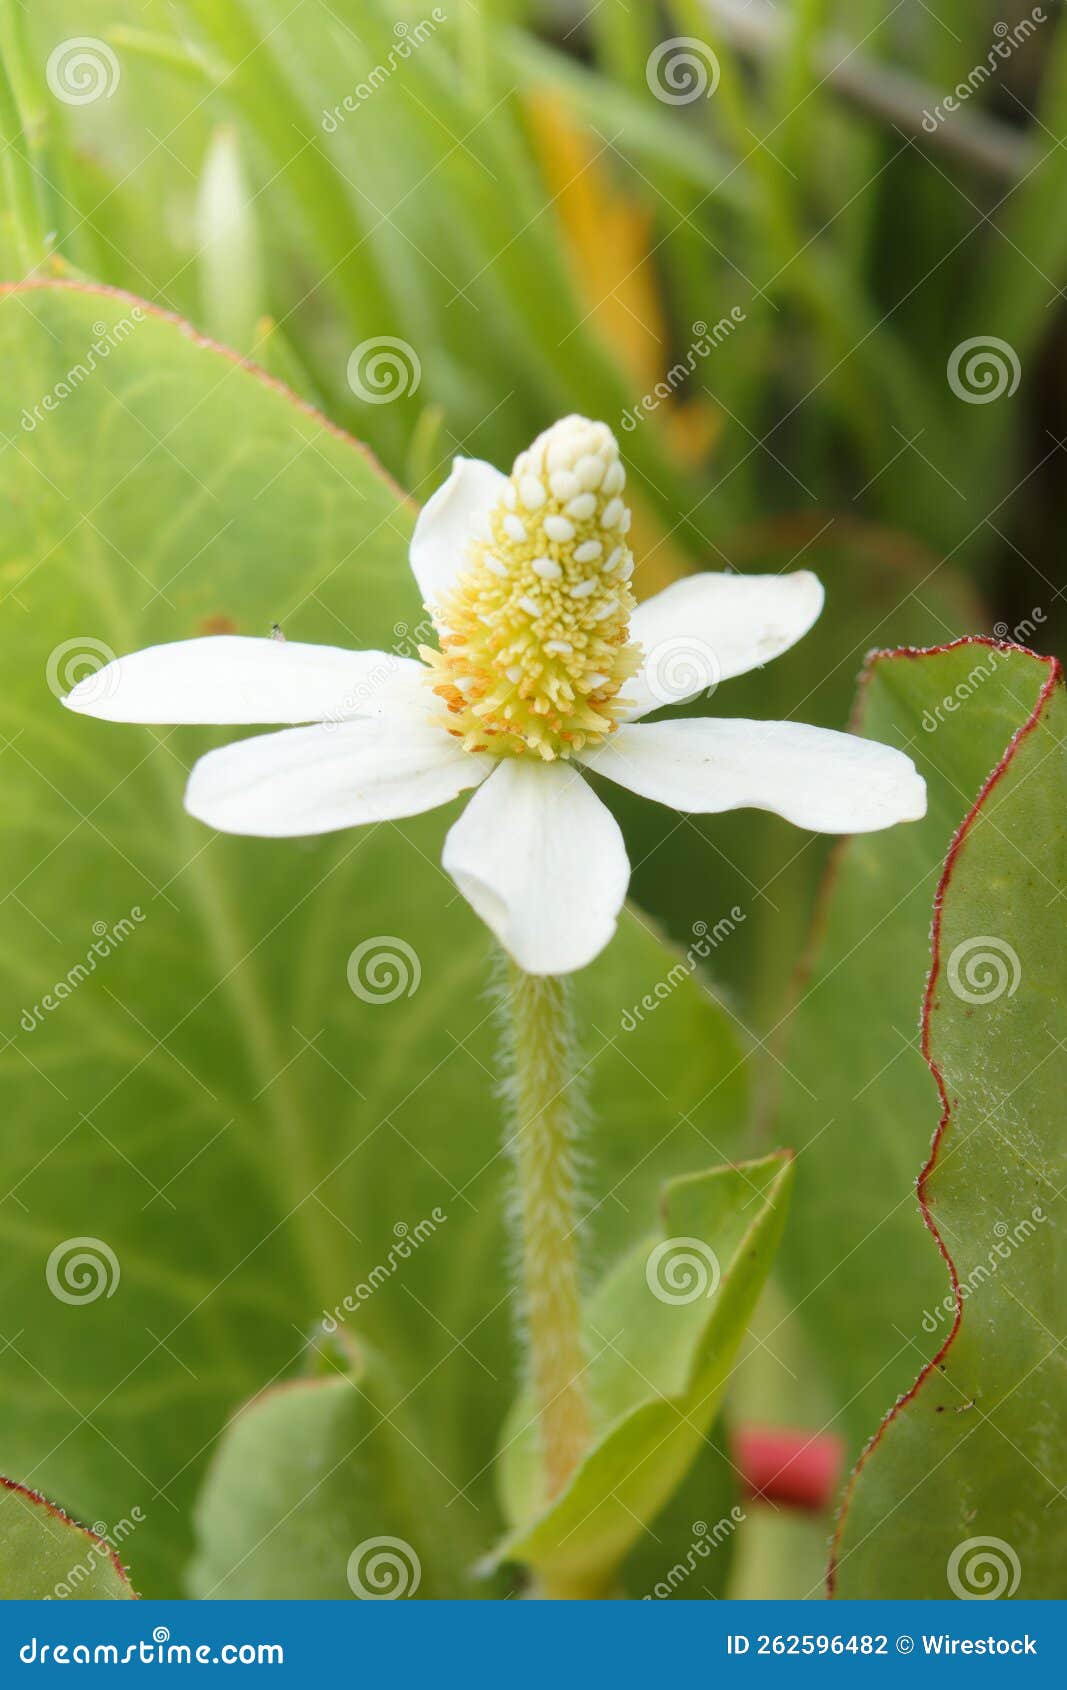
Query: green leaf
x=857, y=1100
x=311, y=1495
x=251, y=1140
x=662, y=1333
x=44, y=1556
x=961, y=1493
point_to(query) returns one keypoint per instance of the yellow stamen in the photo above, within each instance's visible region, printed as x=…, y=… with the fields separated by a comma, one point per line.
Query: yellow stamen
x=534, y=633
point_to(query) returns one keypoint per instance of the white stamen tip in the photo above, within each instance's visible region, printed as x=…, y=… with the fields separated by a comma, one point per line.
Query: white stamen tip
x=547, y=568
x=612, y=514
x=562, y=648
x=531, y=606
x=584, y=588
x=559, y=528
x=587, y=551
x=532, y=492
x=514, y=527
x=582, y=507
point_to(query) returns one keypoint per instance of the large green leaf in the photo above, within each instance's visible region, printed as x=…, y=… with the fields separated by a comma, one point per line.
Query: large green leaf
x=961, y=1493
x=312, y=1494
x=46, y=1557
x=662, y=1333
x=856, y=1095
x=211, y=1105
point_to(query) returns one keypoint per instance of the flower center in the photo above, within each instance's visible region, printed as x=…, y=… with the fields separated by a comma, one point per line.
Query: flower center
x=534, y=647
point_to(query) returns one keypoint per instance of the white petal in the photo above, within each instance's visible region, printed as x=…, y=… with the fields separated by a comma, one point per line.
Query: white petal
x=705, y=629
x=543, y=863
x=226, y=679
x=829, y=782
x=446, y=525
x=332, y=775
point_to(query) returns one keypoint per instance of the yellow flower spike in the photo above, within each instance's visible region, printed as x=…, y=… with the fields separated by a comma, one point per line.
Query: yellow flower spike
x=535, y=647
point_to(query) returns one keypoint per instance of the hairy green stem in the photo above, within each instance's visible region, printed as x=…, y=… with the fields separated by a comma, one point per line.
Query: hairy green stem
x=542, y=1142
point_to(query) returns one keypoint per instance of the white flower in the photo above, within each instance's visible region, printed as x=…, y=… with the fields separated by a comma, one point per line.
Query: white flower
x=544, y=669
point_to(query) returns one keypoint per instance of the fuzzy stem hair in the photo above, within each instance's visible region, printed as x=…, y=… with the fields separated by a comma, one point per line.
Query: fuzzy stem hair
x=542, y=1090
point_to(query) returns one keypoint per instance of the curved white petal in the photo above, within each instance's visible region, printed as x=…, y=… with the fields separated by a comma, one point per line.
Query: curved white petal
x=828, y=782
x=446, y=525
x=332, y=775
x=707, y=628
x=543, y=863
x=227, y=679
